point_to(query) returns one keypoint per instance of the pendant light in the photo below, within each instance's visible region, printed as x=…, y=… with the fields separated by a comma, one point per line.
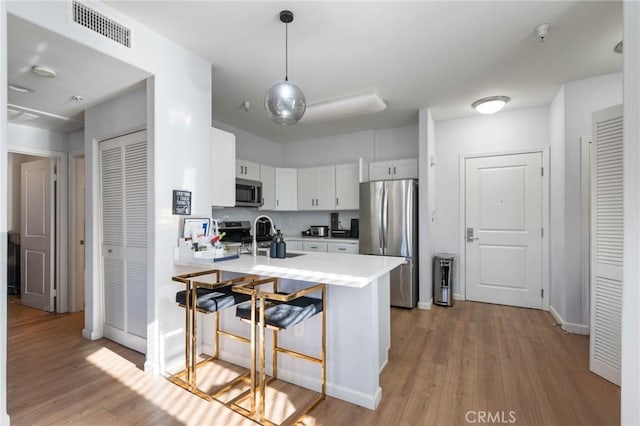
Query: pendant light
x=285, y=103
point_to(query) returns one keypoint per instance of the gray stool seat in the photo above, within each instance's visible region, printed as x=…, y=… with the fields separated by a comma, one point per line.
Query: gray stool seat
x=284, y=315
x=214, y=300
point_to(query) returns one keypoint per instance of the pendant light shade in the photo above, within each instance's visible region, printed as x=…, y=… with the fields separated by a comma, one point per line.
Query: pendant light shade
x=285, y=103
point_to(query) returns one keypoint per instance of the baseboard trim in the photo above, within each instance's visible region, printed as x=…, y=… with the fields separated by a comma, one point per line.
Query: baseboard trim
x=458, y=296
x=90, y=334
x=4, y=419
x=569, y=327
x=425, y=305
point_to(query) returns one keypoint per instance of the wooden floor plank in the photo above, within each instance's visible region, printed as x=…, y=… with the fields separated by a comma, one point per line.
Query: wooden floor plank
x=444, y=364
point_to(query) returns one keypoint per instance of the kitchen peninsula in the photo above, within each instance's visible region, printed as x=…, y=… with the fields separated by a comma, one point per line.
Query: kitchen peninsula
x=358, y=317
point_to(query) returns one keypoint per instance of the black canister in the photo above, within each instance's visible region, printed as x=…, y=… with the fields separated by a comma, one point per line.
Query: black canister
x=281, y=246
x=273, y=250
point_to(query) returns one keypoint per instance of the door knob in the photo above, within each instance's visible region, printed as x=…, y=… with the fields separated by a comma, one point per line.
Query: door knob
x=470, y=235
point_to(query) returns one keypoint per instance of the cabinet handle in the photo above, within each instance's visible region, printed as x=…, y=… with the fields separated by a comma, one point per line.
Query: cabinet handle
x=313, y=203
x=109, y=251
x=389, y=171
x=341, y=248
x=394, y=170
x=337, y=201
x=316, y=202
x=277, y=203
x=313, y=247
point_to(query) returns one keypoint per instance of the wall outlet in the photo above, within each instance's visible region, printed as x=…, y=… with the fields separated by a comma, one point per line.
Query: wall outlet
x=298, y=330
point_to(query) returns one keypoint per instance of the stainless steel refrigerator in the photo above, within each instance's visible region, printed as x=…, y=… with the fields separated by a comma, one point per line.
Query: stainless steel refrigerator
x=389, y=227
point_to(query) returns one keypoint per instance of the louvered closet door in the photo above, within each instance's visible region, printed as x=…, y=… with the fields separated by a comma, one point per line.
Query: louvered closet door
x=607, y=244
x=123, y=165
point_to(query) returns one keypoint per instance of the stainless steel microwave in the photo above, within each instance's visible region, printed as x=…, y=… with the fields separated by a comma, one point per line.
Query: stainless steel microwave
x=248, y=193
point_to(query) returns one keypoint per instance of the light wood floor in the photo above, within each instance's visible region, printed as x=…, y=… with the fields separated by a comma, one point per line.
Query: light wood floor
x=443, y=364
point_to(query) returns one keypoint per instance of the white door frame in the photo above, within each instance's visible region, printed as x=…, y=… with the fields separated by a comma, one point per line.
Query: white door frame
x=462, y=241
x=62, y=218
x=585, y=239
x=76, y=280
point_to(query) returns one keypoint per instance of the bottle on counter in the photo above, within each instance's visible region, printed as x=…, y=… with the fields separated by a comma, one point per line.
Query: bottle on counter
x=273, y=244
x=281, y=246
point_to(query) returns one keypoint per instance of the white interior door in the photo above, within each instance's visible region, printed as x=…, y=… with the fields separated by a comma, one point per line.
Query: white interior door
x=504, y=229
x=607, y=239
x=123, y=170
x=38, y=234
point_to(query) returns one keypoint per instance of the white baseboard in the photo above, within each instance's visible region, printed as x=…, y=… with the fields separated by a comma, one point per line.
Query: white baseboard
x=569, y=327
x=384, y=364
x=4, y=419
x=90, y=334
x=458, y=296
x=425, y=305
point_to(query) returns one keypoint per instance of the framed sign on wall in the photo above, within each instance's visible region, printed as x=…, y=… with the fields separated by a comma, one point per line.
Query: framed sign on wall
x=181, y=202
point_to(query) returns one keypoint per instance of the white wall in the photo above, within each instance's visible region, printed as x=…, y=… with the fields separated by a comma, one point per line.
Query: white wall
x=395, y=144
x=427, y=195
x=505, y=131
x=33, y=137
x=557, y=267
x=75, y=141
x=630, y=393
x=582, y=98
x=179, y=120
x=254, y=148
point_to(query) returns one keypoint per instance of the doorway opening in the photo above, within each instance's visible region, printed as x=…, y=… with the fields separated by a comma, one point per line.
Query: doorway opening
x=37, y=219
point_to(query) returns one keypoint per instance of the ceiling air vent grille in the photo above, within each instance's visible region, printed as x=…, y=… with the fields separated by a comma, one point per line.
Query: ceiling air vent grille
x=99, y=23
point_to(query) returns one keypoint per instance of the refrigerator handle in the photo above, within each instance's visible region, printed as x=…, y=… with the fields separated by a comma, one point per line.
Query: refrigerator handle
x=385, y=218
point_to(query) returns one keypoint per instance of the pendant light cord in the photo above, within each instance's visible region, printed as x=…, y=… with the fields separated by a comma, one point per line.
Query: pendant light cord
x=286, y=52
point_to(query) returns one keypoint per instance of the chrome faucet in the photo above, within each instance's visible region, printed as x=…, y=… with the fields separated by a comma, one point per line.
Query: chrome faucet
x=254, y=244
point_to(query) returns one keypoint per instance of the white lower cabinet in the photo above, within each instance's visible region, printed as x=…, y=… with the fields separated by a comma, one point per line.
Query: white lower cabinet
x=351, y=248
x=347, y=247
x=295, y=245
x=314, y=246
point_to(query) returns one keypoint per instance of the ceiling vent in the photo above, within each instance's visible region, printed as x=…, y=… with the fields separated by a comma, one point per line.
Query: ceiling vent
x=100, y=24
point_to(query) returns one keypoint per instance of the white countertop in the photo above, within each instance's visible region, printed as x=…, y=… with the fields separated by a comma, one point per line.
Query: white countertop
x=321, y=239
x=348, y=270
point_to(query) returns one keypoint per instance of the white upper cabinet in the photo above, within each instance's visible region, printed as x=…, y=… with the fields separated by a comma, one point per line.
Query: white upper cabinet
x=223, y=174
x=347, y=187
x=317, y=188
x=286, y=189
x=397, y=169
x=268, y=179
x=247, y=170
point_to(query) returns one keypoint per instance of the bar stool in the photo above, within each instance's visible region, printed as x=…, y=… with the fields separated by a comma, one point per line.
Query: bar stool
x=279, y=311
x=208, y=298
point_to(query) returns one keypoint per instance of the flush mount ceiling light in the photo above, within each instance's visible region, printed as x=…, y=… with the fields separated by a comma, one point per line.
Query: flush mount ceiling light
x=285, y=103
x=44, y=72
x=490, y=105
x=20, y=89
x=352, y=106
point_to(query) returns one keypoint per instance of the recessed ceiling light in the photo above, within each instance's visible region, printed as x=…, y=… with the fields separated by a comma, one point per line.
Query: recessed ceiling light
x=618, y=48
x=20, y=89
x=490, y=105
x=42, y=71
